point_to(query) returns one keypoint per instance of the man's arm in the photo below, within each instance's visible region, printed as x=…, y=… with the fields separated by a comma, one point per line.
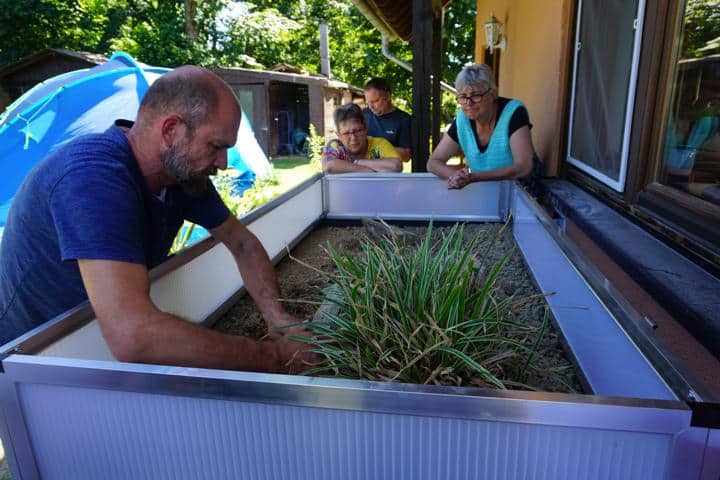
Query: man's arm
x=257, y=272
x=404, y=153
x=136, y=331
x=404, y=139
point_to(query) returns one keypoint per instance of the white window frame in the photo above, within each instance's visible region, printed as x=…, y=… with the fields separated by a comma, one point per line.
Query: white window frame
x=619, y=184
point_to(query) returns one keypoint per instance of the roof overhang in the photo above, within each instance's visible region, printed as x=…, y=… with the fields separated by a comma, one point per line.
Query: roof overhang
x=393, y=18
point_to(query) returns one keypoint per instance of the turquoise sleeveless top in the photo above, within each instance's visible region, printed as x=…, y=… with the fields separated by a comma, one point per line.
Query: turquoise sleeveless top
x=497, y=154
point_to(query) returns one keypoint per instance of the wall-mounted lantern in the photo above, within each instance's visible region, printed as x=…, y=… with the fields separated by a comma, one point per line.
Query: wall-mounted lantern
x=493, y=32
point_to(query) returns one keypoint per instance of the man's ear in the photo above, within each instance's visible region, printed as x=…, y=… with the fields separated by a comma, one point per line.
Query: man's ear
x=171, y=129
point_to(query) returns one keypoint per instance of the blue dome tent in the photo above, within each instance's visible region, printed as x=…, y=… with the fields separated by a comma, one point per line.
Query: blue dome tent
x=88, y=101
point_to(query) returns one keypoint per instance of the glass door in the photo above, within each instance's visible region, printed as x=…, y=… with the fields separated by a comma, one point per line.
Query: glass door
x=607, y=50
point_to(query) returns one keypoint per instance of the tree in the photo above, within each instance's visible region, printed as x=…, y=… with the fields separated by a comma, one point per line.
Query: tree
x=32, y=25
x=190, y=16
x=458, y=37
x=702, y=27
x=257, y=37
x=154, y=32
x=151, y=30
x=256, y=34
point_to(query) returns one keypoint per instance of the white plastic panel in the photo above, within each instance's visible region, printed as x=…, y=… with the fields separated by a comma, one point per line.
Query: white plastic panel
x=284, y=223
x=87, y=434
x=417, y=196
x=196, y=289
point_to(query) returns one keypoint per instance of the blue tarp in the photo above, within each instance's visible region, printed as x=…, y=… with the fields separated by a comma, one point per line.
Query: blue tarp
x=88, y=101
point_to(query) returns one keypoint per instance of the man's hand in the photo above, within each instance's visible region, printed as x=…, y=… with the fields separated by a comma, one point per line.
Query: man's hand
x=282, y=324
x=293, y=356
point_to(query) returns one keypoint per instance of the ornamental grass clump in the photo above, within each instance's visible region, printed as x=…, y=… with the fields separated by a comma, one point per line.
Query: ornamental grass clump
x=422, y=312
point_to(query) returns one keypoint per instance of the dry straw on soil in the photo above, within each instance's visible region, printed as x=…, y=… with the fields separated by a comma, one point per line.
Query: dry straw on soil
x=516, y=352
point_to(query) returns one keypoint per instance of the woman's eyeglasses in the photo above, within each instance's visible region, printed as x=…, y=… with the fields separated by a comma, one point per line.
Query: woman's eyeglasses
x=474, y=98
x=354, y=133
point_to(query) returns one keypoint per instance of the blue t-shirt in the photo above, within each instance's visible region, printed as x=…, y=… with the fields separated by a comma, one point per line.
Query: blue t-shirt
x=88, y=200
x=395, y=127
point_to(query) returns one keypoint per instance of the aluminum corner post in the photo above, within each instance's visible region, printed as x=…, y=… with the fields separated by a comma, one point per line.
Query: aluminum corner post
x=16, y=440
x=711, y=463
x=413, y=197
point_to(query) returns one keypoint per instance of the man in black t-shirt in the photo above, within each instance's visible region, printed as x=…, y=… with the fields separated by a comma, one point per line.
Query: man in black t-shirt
x=386, y=121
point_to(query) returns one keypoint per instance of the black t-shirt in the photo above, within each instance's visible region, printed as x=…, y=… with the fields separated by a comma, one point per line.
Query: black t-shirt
x=519, y=119
x=394, y=126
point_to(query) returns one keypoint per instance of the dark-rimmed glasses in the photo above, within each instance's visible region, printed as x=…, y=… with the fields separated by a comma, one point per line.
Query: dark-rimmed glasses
x=355, y=133
x=474, y=98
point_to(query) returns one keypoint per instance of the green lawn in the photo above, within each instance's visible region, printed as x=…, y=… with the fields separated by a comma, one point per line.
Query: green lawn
x=290, y=171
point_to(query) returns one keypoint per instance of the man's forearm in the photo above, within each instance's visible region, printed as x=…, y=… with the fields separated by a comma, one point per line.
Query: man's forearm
x=258, y=275
x=404, y=153
x=165, y=339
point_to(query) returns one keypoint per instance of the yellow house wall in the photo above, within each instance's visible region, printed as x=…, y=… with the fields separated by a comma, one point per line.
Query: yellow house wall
x=533, y=66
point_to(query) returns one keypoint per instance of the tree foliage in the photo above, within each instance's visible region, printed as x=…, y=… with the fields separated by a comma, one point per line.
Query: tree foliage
x=31, y=25
x=702, y=28
x=458, y=37
x=255, y=34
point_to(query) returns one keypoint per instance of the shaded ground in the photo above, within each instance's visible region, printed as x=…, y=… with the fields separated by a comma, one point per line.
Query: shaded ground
x=300, y=288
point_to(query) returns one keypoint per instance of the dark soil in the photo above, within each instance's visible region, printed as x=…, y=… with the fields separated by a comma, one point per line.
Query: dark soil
x=299, y=285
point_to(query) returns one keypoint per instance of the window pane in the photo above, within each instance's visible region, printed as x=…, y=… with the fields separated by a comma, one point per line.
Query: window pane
x=692, y=148
x=604, y=67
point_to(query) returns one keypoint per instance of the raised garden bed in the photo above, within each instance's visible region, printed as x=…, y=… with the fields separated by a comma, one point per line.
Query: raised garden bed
x=302, y=291
x=72, y=411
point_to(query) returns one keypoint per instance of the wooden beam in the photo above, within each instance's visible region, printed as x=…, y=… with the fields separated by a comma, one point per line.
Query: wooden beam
x=422, y=48
x=436, y=67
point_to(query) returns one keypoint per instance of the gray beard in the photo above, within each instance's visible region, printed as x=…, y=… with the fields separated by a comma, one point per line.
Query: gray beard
x=178, y=164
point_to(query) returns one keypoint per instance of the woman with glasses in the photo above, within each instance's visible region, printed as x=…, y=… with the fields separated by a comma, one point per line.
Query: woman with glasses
x=354, y=151
x=492, y=132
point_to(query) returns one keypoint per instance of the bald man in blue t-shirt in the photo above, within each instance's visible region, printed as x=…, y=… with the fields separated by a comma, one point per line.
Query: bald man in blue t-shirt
x=92, y=218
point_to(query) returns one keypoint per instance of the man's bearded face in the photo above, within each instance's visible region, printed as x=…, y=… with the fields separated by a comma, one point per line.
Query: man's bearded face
x=179, y=162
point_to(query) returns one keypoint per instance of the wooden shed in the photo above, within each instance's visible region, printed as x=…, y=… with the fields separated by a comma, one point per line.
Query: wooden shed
x=281, y=103
x=19, y=77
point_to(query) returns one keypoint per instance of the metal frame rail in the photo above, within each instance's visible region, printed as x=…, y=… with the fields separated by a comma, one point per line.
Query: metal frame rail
x=71, y=411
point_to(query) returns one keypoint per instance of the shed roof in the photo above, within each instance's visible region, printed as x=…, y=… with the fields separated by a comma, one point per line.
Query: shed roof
x=301, y=78
x=90, y=58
